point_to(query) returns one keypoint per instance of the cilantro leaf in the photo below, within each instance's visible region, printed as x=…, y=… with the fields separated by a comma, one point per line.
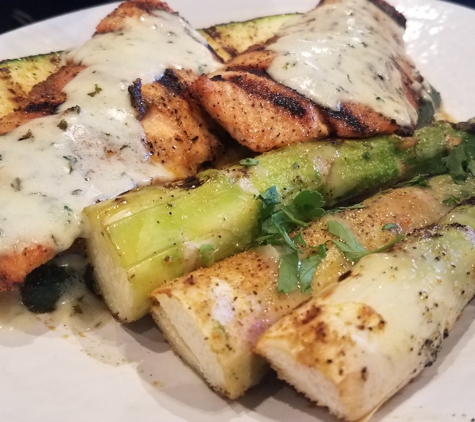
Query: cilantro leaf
x=276, y=222
x=287, y=280
x=308, y=266
x=295, y=273
x=350, y=246
x=308, y=205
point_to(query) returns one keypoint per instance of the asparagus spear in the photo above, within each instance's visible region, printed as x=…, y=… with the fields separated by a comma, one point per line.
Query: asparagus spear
x=213, y=316
x=360, y=341
x=143, y=238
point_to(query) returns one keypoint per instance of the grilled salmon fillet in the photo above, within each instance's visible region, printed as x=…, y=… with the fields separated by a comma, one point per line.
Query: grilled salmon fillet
x=261, y=107
x=178, y=135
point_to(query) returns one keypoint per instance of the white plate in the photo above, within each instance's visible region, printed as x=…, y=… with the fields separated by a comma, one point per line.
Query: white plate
x=123, y=373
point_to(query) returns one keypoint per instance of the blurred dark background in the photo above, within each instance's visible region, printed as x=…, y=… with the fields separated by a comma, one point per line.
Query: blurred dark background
x=16, y=13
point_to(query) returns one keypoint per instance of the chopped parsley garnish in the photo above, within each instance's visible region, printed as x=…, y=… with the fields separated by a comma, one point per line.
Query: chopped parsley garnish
x=249, y=162
x=96, y=91
x=391, y=226
x=27, y=135
x=75, y=108
x=349, y=245
x=16, y=184
x=207, y=254
x=63, y=124
x=277, y=222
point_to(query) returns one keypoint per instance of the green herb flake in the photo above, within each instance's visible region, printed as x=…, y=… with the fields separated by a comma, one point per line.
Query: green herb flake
x=366, y=155
x=308, y=266
x=75, y=109
x=96, y=91
x=17, y=184
x=391, y=226
x=207, y=254
x=27, y=135
x=249, y=162
x=349, y=245
x=68, y=209
x=72, y=160
x=63, y=124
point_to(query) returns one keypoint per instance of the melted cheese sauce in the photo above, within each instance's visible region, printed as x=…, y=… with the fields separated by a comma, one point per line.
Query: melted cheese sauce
x=53, y=167
x=344, y=52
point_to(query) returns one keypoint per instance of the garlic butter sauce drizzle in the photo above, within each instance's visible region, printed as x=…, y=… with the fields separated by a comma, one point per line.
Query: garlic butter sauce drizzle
x=92, y=149
x=345, y=52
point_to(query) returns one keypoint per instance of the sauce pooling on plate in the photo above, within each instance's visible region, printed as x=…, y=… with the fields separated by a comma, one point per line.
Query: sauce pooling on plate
x=345, y=52
x=53, y=167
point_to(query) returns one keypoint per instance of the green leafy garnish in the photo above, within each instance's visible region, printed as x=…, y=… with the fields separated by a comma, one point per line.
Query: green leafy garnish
x=308, y=266
x=297, y=273
x=96, y=91
x=207, y=254
x=419, y=180
x=350, y=246
x=249, y=162
x=63, y=124
x=452, y=201
x=277, y=222
x=27, y=135
x=391, y=226
x=287, y=280
x=461, y=162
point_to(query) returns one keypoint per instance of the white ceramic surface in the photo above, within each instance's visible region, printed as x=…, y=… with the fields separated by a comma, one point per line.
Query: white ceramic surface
x=127, y=373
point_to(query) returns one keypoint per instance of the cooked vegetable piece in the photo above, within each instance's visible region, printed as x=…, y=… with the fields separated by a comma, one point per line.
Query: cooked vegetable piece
x=360, y=341
x=146, y=237
x=213, y=316
x=231, y=39
x=18, y=76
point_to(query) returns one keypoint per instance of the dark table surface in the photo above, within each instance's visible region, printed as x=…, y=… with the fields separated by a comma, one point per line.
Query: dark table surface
x=16, y=13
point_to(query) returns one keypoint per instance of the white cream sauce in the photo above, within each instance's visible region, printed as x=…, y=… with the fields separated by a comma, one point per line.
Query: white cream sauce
x=53, y=167
x=344, y=52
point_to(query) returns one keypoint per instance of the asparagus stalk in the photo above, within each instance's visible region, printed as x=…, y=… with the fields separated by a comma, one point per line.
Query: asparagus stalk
x=143, y=238
x=218, y=340
x=359, y=342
